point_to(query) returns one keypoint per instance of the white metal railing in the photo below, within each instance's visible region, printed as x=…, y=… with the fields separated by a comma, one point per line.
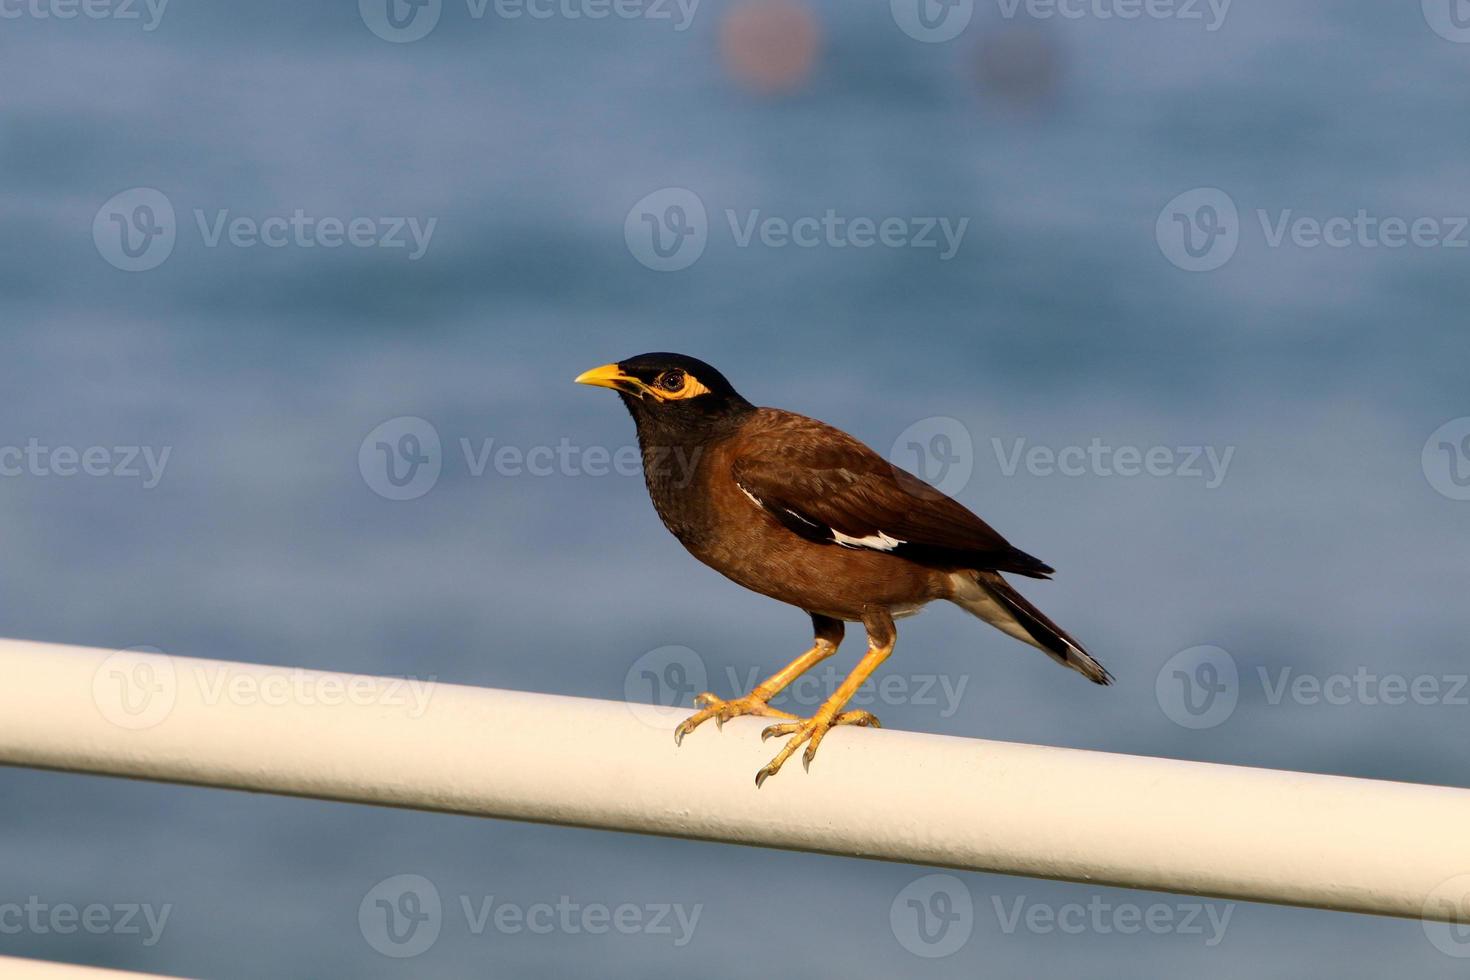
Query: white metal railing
x=1327, y=842
x=12, y=968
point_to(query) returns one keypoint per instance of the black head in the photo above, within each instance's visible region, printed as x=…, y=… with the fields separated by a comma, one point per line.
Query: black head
x=670, y=390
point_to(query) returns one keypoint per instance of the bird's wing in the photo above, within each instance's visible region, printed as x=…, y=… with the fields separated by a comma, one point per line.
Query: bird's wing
x=825, y=486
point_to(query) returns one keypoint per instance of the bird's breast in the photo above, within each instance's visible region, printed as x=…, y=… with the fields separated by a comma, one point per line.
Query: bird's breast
x=677, y=481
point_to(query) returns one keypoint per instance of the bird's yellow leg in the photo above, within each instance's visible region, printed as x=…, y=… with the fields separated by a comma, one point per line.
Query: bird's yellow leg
x=754, y=703
x=828, y=637
x=811, y=731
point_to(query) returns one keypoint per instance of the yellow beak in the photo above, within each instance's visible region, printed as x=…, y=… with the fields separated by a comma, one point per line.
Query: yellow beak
x=608, y=376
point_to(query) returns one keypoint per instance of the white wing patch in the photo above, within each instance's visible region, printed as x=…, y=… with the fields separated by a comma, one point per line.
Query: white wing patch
x=873, y=542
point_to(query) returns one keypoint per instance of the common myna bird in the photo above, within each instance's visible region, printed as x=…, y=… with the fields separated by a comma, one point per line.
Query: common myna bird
x=802, y=512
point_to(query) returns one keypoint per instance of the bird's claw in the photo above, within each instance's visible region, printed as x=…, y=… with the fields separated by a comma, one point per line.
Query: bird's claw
x=722, y=711
x=808, y=731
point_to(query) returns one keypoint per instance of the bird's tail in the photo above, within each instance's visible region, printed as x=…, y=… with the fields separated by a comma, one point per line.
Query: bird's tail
x=990, y=597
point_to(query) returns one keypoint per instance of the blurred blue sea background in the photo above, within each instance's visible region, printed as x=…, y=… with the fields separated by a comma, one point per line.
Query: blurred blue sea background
x=1325, y=549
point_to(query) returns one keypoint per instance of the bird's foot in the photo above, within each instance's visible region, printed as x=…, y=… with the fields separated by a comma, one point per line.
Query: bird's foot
x=809, y=731
x=722, y=711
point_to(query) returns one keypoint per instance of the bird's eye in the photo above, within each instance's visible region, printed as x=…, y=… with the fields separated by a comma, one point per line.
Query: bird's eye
x=671, y=380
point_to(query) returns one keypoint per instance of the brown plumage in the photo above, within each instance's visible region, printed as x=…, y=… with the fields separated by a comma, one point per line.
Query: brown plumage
x=794, y=509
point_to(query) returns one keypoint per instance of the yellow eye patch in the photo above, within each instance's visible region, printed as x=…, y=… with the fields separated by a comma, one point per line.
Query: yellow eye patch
x=690, y=388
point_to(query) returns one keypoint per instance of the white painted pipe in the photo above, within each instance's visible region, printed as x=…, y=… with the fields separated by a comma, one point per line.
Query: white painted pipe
x=12, y=968
x=1223, y=831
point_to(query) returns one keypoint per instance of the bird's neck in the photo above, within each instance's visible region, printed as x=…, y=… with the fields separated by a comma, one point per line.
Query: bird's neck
x=673, y=427
x=674, y=452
